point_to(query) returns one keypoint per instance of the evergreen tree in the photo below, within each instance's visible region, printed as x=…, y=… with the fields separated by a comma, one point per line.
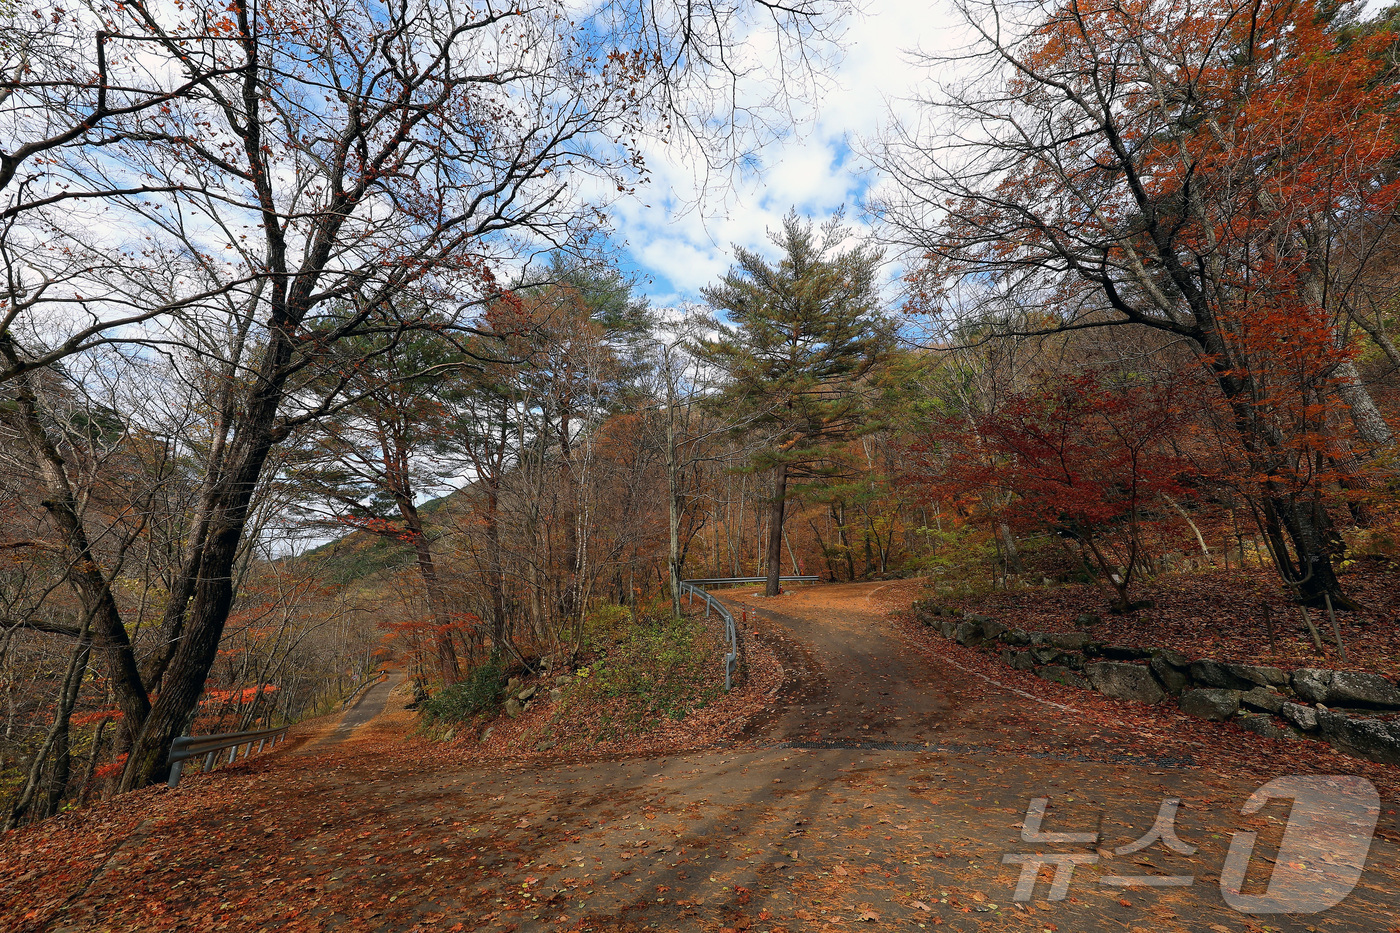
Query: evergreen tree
x=796, y=339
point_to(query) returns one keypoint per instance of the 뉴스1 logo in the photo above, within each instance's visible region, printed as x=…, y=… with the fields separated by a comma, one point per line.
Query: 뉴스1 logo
x=1319, y=862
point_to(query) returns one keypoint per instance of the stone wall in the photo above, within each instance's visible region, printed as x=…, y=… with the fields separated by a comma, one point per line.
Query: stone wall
x=1352, y=710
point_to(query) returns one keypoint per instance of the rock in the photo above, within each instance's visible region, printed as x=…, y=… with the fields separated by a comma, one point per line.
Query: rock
x=1217, y=675
x=926, y=618
x=947, y=627
x=1022, y=661
x=527, y=694
x=968, y=633
x=1087, y=618
x=487, y=733
x=1070, y=641
x=1016, y=637
x=1259, y=675
x=992, y=629
x=1367, y=738
x=555, y=695
x=1045, y=655
x=449, y=735
x=513, y=685
x=513, y=708
x=1123, y=652
x=1357, y=688
x=1172, y=658
x=544, y=745
x=1312, y=683
x=1214, y=703
x=974, y=617
x=1262, y=724
x=1124, y=681
x=1262, y=698
x=1304, y=717
x=1062, y=675
x=1039, y=638
x=1172, y=678
x=563, y=680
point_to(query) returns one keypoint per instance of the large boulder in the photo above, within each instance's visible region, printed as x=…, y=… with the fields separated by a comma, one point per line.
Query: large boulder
x=1346, y=688
x=1174, y=658
x=1062, y=675
x=1045, y=654
x=1069, y=641
x=1172, y=678
x=1357, y=688
x=991, y=629
x=1022, y=661
x=1124, y=681
x=1015, y=637
x=1366, y=738
x=1264, y=699
x=514, y=708
x=1312, y=684
x=969, y=633
x=1304, y=717
x=1214, y=703
x=1218, y=675
x=947, y=628
x=1262, y=724
x=1259, y=675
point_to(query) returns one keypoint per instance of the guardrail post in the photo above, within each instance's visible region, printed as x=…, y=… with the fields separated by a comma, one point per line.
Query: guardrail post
x=260, y=745
x=174, y=773
x=232, y=754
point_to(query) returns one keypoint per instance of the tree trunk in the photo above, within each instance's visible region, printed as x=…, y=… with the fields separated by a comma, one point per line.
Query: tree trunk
x=673, y=556
x=94, y=590
x=826, y=552
x=55, y=742
x=1011, y=554
x=437, y=599
x=1304, y=522
x=496, y=574
x=775, y=529
x=1370, y=424
x=838, y=514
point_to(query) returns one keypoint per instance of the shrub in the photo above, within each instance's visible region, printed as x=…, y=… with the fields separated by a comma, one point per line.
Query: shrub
x=657, y=666
x=481, y=692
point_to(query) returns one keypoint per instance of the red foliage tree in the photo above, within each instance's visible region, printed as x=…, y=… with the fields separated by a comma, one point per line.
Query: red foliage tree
x=1086, y=456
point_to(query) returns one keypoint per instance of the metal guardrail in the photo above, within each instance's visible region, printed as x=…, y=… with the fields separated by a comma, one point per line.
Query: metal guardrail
x=722, y=581
x=192, y=746
x=378, y=678
x=731, y=633
x=693, y=588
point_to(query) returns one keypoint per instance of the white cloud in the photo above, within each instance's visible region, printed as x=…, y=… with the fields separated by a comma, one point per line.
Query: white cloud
x=813, y=168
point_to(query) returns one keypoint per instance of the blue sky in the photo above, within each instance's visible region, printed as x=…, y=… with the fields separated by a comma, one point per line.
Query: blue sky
x=817, y=167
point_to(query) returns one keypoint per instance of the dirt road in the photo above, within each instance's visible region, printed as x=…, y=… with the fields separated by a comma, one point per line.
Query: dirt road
x=895, y=784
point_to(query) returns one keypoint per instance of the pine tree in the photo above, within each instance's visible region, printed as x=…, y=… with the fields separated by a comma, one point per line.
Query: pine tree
x=795, y=340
